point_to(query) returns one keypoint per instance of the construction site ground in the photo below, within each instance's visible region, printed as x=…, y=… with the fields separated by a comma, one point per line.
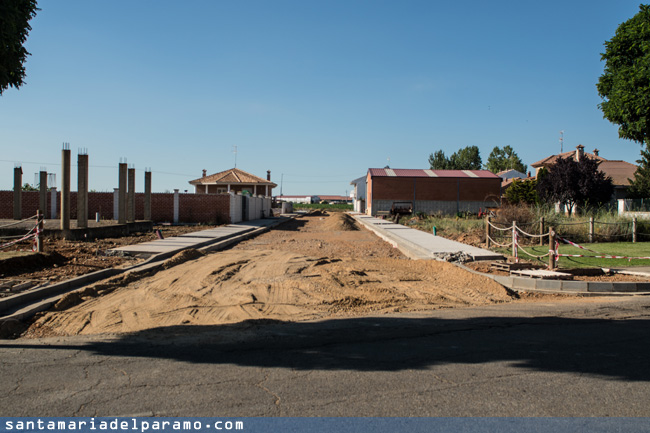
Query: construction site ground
x=314, y=267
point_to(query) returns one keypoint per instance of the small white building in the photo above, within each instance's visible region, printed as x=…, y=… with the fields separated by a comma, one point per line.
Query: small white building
x=359, y=194
x=306, y=199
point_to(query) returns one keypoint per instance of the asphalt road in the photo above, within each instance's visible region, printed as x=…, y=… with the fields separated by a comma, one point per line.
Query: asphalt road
x=589, y=358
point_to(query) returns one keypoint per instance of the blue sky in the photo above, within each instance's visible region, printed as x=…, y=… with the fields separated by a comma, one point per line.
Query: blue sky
x=315, y=91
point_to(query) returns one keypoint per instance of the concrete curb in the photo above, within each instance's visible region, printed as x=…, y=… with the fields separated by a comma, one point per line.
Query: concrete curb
x=564, y=287
x=409, y=248
x=523, y=284
x=50, y=295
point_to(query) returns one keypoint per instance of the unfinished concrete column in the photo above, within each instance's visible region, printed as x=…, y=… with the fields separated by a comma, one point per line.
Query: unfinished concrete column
x=116, y=201
x=121, y=202
x=147, y=195
x=42, y=192
x=82, y=189
x=65, y=187
x=53, y=200
x=18, y=192
x=176, y=207
x=130, y=205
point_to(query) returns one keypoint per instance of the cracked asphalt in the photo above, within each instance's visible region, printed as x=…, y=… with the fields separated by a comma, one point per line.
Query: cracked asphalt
x=583, y=358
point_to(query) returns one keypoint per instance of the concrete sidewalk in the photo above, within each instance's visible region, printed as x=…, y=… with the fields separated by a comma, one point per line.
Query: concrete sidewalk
x=417, y=244
x=199, y=239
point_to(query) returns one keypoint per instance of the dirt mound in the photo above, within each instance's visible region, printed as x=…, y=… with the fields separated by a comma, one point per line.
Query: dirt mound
x=234, y=286
x=340, y=222
x=182, y=257
x=18, y=263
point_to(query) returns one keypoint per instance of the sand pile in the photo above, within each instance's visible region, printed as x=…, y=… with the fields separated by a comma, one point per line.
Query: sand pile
x=340, y=222
x=233, y=286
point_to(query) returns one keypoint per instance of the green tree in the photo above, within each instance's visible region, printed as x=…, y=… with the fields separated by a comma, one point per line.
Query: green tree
x=624, y=88
x=504, y=159
x=467, y=158
x=28, y=187
x=640, y=185
x=522, y=191
x=438, y=161
x=572, y=183
x=14, y=28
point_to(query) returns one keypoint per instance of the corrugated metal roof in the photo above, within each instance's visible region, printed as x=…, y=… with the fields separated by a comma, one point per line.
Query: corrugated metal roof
x=409, y=172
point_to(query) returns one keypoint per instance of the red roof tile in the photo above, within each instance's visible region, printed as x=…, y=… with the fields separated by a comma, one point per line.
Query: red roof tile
x=232, y=176
x=400, y=172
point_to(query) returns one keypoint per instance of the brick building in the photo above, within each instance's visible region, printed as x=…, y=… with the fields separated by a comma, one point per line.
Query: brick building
x=432, y=191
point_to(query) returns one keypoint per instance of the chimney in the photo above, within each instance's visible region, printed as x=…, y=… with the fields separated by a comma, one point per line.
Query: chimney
x=580, y=152
x=205, y=172
x=268, y=175
x=596, y=152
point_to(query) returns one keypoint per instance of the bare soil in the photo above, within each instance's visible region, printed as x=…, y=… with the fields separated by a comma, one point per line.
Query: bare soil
x=314, y=267
x=63, y=259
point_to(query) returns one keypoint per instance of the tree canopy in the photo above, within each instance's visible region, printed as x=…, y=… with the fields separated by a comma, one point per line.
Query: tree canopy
x=625, y=83
x=504, y=159
x=640, y=185
x=467, y=158
x=570, y=183
x=522, y=191
x=14, y=28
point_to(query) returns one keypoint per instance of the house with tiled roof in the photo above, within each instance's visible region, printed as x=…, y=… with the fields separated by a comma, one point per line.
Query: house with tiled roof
x=620, y=171
x=432, y=191
x=234, y=180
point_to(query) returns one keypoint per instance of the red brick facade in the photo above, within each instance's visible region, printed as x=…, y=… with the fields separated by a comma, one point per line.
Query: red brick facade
x=193, y=208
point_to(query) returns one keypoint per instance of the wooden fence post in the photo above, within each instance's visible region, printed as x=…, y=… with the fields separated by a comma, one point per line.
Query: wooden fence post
x=634, y=229
x=551, y=248
x=514, y=244
x=487, y=232
x=39, y=231
x=541, y=231
x=591, y=230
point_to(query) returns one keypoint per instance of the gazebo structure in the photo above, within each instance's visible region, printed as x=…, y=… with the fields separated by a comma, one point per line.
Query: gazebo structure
x=233, y=180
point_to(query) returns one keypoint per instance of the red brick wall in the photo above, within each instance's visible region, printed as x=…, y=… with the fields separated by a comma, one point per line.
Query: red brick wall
x=193, y=208
x=162, y=207
x=444, y=189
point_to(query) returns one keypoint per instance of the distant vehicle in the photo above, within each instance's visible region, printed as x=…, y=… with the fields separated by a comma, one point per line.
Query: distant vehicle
x=400, y=208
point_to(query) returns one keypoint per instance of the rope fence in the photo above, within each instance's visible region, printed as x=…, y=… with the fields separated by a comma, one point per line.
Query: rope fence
x=515, y=233
x=609, y=231
x=35, y=234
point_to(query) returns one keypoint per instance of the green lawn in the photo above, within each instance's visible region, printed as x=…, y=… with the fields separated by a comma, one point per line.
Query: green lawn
x=627, y=249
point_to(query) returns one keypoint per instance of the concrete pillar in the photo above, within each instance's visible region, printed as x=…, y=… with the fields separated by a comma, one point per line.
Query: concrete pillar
x=42, y=193
x=65, y=187
x=121, y=213
x=176, y=207
x=116, y=203
x=147, y=195
x=130, y=205
x=18, y=193
x=82, y=191
x=53, y=200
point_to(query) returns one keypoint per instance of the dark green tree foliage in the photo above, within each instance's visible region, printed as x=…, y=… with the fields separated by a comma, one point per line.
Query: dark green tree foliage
x=640, y=185
x=14, y=28
x=467, y=158
x=438, y=161
x=522, y=191
x=625, y=83
x=504, y=159
x=574, y=183
x=625, y=89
